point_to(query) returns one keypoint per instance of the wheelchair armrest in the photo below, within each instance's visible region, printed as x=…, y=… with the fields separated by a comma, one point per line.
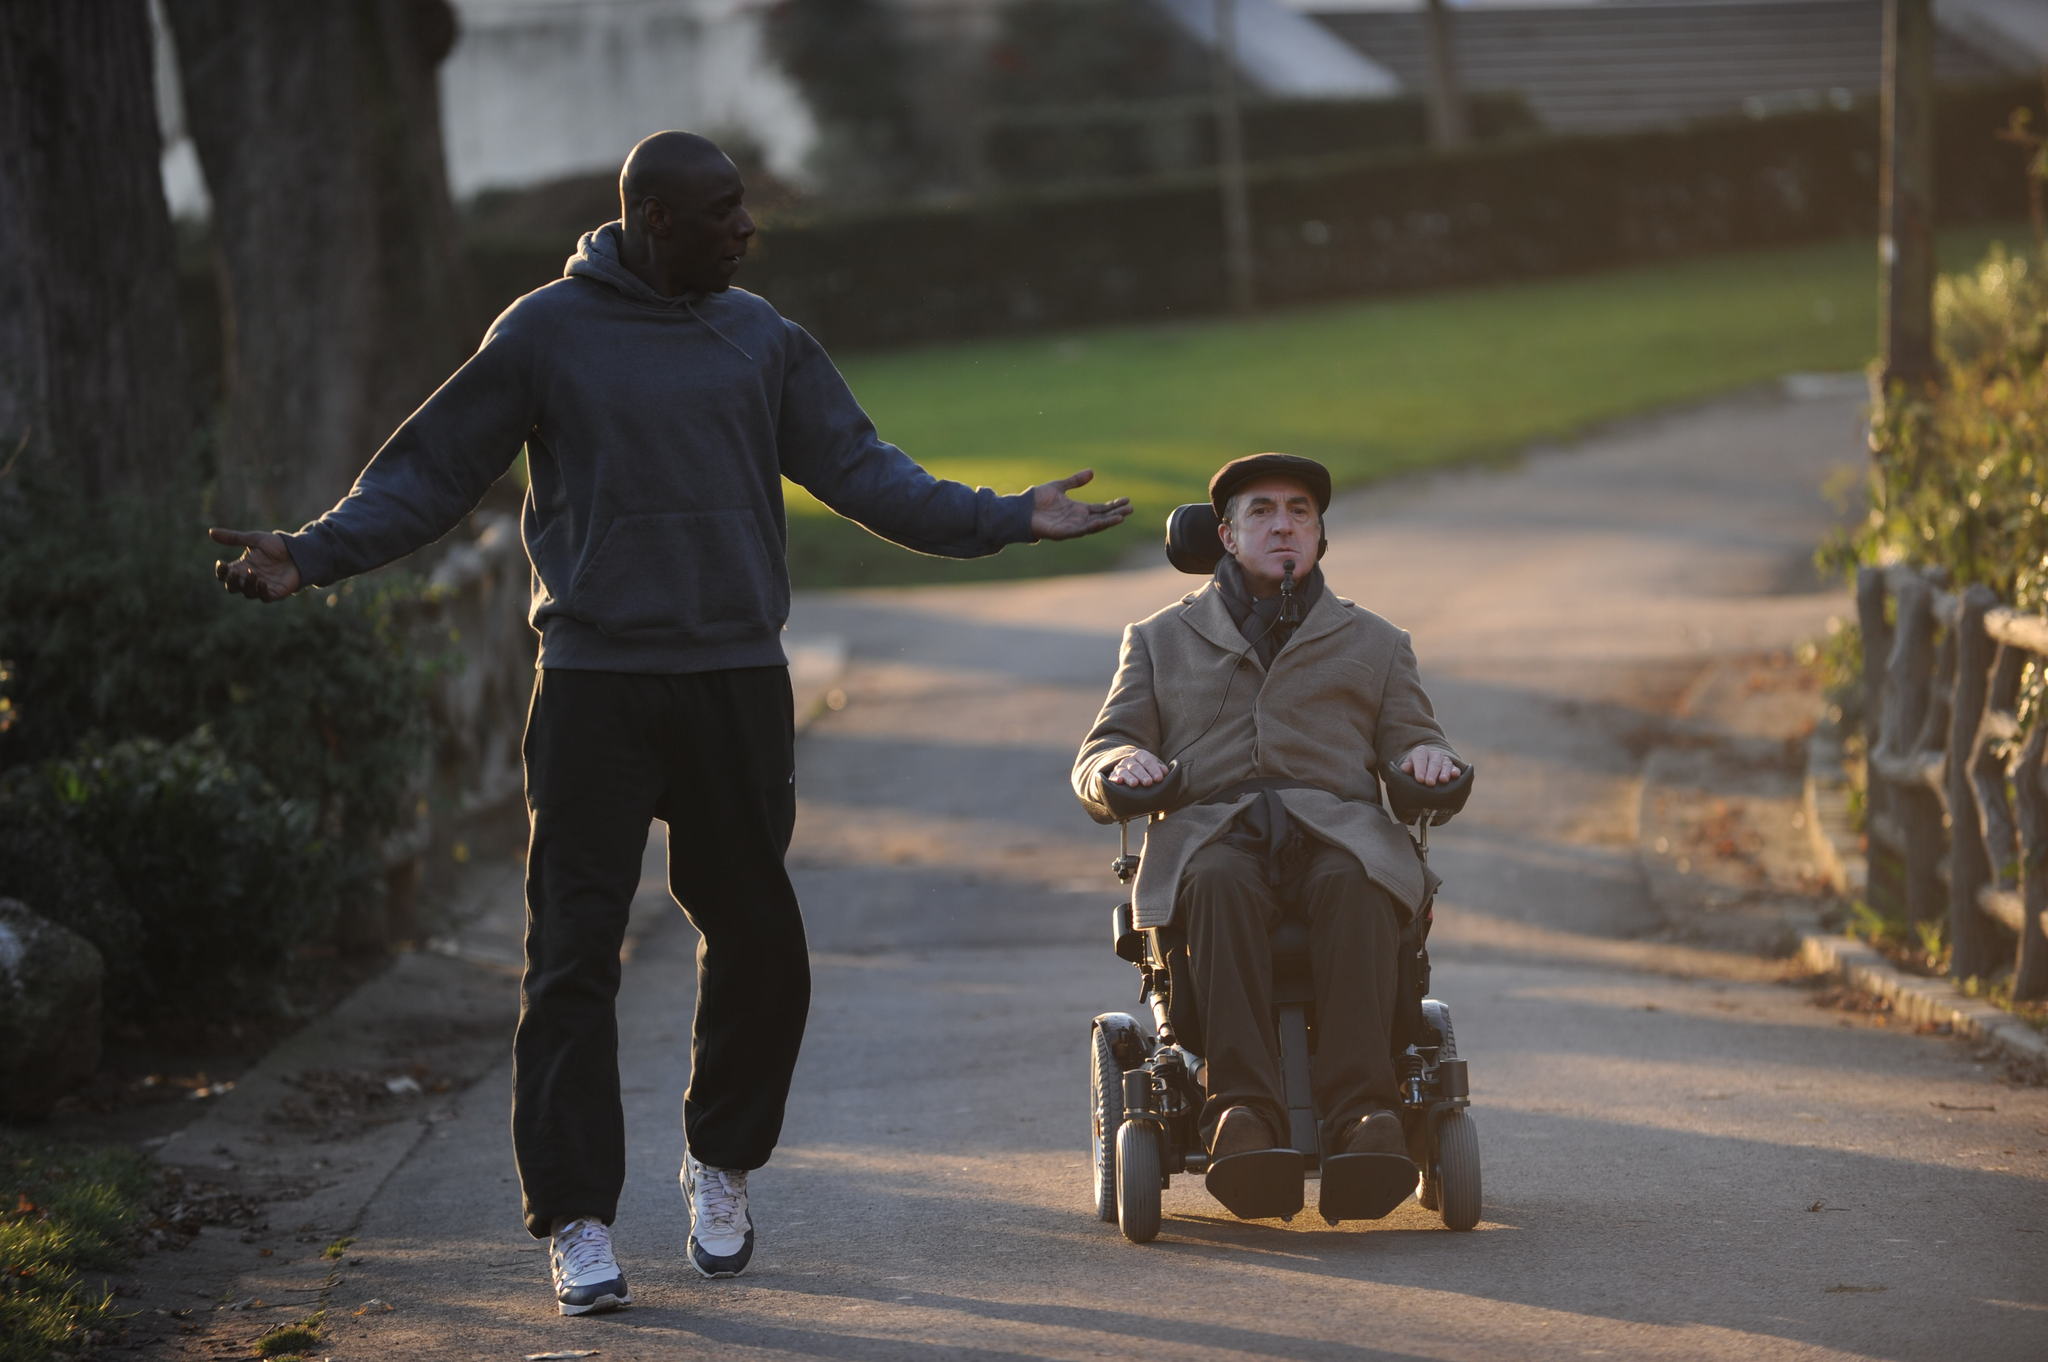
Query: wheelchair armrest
x=1138, y=801
x=1411, y=799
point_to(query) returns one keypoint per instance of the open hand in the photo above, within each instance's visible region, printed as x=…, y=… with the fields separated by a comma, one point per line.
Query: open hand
x=264, y=572
x=1055, y=515
x=1431, y=765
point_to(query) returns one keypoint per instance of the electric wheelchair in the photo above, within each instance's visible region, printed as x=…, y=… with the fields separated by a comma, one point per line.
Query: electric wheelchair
x=1145, y=1088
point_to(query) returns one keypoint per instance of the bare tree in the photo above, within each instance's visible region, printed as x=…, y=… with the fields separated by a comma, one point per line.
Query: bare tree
x=92, y=385
x=319, y=129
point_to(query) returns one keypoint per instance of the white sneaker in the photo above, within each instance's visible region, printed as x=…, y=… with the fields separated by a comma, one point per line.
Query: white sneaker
x=587, y=1277
x=721, y=1231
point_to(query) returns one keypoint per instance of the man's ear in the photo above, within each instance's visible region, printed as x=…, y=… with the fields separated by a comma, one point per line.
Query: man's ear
x=655, y=217
x=1229, y=539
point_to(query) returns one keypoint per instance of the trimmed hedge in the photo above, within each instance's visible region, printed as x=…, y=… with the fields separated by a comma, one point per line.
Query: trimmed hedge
x=1063, y=146
x=1339, y=227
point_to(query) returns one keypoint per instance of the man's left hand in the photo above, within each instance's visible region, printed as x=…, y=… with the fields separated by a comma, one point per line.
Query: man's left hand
x=1431, y=765
x=1055, y=515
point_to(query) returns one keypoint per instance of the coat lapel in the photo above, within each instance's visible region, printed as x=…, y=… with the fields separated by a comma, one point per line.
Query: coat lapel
x=1208, y=616
x=1329, y=614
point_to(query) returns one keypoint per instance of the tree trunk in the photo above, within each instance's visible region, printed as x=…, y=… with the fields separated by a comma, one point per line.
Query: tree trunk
x=1448, y=125
x=1906, y=195
x=92, y=383
x=342, y=295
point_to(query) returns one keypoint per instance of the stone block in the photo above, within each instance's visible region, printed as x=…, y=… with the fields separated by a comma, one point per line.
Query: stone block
x=49, y=1010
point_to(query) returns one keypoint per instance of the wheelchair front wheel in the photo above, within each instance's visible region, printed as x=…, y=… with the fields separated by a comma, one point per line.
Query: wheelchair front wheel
x=1456, y=1173
x=1137, y=1181
x=1106, y=1113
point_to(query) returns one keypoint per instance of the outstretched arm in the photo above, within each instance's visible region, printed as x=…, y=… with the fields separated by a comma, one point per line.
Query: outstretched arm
x=828, y=446
x=431, y=472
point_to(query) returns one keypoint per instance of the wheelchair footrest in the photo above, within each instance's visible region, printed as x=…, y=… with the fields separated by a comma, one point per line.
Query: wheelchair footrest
x=1364, y=1186
x=1264, y=1184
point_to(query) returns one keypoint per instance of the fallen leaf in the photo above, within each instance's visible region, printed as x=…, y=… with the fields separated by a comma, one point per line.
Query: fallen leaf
x=1818, y=1206
x=1854, y=1290
x=1950, y=1106
x=560, y=1357
x=373, y=1306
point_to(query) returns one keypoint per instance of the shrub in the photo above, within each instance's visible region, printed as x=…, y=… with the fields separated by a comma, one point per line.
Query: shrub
x=221, y=875
x=1961, y=473
x=50, y=867
x=238, y=768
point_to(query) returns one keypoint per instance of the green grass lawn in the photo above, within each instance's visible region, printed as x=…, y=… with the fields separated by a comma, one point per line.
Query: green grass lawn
x=64, y=1210
x=1370, y=388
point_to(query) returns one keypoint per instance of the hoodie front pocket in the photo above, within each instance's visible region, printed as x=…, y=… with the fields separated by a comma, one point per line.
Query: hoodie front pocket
x=703, y=573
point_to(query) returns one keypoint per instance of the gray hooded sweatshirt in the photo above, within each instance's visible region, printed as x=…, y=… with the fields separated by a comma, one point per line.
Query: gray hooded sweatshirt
x=657, y=431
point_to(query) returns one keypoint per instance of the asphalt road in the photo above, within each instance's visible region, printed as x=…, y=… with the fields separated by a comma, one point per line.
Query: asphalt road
x=1685, y=1156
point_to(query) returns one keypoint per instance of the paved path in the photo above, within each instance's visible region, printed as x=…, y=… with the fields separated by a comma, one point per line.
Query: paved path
x=1685, y=1157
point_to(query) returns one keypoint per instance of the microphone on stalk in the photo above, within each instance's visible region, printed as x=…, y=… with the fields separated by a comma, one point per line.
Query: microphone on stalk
x=1289, y=610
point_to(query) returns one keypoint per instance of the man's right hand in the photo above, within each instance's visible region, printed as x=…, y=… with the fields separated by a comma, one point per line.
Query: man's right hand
x=264, y=572
x=1139, y=769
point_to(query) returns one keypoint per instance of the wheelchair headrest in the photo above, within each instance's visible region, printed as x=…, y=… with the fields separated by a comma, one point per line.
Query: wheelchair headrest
x=1192, y=544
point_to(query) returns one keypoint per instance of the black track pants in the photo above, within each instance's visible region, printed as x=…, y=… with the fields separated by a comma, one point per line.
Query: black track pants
x=712, y=755
x=1227, y=912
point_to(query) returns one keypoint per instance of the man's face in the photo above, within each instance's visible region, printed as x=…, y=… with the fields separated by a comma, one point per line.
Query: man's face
x=702, y=226
x=1274, y=521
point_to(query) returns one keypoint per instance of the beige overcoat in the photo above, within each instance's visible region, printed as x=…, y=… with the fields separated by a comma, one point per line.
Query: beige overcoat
x=1342, y=696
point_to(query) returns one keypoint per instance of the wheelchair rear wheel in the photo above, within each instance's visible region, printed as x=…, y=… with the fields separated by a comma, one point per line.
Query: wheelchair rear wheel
x=1456, y=1171
x=1137, y=1181
x=1105, y=1114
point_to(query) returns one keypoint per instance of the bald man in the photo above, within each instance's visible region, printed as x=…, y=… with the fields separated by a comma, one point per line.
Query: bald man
x=659, y=409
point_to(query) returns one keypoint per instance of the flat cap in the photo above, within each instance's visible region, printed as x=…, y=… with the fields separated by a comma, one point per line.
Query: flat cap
x=1240, y=471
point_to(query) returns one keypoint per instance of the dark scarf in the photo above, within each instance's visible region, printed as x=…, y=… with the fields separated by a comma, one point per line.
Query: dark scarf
x=1259, y=620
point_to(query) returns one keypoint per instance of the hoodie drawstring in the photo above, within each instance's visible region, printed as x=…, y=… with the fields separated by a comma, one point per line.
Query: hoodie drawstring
x=716, y=332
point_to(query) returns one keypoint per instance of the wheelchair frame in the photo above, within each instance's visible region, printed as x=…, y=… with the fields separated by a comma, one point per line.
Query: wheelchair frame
x=1145, y=1127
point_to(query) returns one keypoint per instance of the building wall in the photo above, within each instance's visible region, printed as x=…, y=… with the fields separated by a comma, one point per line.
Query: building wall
x=538, y=89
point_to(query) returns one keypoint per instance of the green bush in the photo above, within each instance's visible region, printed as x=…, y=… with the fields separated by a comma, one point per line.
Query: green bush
x=222, y=875
x=1959, y=480
x=51, y=867
x=236, y=768
x=1961, y=470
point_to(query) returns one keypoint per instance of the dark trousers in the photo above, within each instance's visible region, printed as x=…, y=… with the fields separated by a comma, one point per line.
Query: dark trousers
x=1226, y=910
x=712, y=755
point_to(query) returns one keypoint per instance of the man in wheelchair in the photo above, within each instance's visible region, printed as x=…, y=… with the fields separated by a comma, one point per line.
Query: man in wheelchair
x=1257, y=713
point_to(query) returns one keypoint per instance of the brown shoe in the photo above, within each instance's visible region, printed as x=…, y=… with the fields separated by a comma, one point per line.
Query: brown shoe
x=1240, y=1130
x=1379, y=1133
